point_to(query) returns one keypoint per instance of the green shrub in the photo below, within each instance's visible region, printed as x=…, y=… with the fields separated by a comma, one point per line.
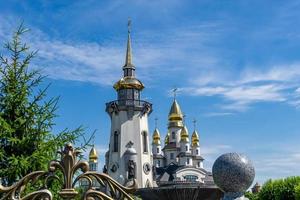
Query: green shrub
x=281, y=189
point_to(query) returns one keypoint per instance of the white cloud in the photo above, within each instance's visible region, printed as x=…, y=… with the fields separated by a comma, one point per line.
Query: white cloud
x=277, y=84
x=218, y=114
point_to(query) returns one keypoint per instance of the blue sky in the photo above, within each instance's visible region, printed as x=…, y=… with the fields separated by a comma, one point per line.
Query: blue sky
x=236, y=64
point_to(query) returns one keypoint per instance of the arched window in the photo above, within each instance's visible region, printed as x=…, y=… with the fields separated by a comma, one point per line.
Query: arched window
x=145, y=143
x=197, y=151
x=157, y=150
x=116, y=141
x=186, y=148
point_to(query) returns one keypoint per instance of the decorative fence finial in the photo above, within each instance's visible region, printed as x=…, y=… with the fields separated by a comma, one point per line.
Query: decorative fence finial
x=68, y=165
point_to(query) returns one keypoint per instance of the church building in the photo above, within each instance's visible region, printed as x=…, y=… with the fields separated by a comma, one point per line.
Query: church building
x=130, y=156
x=180, y=158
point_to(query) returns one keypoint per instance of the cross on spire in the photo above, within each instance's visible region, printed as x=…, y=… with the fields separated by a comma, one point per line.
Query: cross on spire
x=184, y=116
x=174, y=92
x=129, y=25
x=194, y=122
x=156, y=122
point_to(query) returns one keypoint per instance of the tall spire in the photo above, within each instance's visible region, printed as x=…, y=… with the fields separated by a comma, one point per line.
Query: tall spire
x=128, y=59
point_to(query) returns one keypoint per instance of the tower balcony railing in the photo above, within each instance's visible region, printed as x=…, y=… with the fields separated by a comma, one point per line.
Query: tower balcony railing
x=130, y=102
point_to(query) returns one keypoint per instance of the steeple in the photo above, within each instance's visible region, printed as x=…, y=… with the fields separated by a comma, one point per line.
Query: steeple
x=128, y=59
x=128, y=81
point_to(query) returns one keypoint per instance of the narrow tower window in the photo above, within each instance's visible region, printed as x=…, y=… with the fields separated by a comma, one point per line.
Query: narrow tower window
x=116, y=141
x=173, y=135
x=145, y=143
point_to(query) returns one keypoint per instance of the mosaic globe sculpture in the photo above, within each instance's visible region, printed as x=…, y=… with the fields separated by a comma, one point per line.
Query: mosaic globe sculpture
x=233, y=173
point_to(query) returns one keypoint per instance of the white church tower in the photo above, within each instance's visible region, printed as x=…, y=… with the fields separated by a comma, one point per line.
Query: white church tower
x=129, y=155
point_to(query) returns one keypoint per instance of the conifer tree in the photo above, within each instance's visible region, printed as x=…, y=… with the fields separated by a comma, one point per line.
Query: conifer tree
x=27, y=141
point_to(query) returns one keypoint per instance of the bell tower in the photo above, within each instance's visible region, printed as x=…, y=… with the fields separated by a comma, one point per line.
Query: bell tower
x=129, y=152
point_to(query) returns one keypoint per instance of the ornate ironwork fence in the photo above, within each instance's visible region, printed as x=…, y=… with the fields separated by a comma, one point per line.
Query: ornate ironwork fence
x=68, y=165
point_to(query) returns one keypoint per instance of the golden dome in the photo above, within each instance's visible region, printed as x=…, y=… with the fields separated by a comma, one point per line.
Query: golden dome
x=195, y=138
x=156, y=137
x=167, y=138
x=93, y=155
x=184, y=135
x=175, y=112
x=128, y=82
x=175, y=115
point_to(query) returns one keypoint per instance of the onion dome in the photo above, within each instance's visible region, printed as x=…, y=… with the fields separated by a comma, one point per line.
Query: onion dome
x=184, y=135
x=175, y=115
x=195, y=138
x=156, y=137
x=93, y=156
x=128, y=82
x=167, y=138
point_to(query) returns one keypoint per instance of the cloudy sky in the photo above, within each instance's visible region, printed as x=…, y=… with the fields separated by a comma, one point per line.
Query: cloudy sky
x=236, y=64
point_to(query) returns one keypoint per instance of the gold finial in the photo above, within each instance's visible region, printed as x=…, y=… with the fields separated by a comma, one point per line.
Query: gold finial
x=128, y=61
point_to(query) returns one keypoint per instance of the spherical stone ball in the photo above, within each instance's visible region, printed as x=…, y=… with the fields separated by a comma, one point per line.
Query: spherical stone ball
x=233, y=172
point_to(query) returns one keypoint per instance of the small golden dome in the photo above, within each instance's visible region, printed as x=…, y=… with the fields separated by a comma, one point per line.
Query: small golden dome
x=128, y=82
x=184, y=135
x=167, y=138
x=93, y=155
x=195, y=138
x=175, y=116
x=175, y=112
x=156, y=137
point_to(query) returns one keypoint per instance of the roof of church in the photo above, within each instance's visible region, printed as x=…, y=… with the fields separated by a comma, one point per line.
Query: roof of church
x=171, y=145
x=171, y=170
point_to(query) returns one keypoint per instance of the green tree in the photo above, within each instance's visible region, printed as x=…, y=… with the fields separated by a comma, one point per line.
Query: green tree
x=281, y=189
x=27, y=141
x=251, y=196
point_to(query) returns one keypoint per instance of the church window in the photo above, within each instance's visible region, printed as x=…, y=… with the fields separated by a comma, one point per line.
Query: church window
x=186, y=148
x=191, y=178
x=136, y=95
x=93, y=167
x=145, y=143
x=188, y=161
x=129, y=93
x=157, y=150
x=116, y=141
x=158, y=163
x=197, y=151
x=173, y=135
x=198, y=164
x=171, y=156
